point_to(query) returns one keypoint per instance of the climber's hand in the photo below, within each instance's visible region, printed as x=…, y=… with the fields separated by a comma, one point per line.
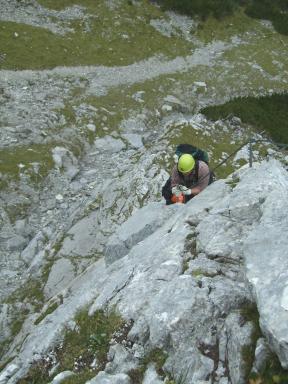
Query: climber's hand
x=186, y=191
x=176, y=190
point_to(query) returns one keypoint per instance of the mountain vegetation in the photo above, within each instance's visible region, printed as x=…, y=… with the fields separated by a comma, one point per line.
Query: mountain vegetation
x=275, y=11
x=266, y=112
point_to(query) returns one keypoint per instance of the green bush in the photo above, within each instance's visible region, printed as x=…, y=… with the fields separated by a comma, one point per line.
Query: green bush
x=269, y=113
x=275, y=11
x=202, y=8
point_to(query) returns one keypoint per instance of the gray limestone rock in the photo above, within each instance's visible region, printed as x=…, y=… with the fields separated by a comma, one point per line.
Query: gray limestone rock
x=139, y=226
x=262, y=356
x=16, y=243
x=151, y=376
x=58, y=379
x=32, y=248
x=61, y=274
x=4, y=322
x=105, y=378
x=195, y=318
x=81, y=239
x=120, y=360
x=65, y=160
x=22, y=228
x=239, y=337
x=109, y=144
x=265, y=251
x=9, y=371
x=134, y=140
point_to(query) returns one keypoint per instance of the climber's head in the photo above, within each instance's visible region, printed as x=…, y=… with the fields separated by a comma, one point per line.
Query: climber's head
x=186, y=163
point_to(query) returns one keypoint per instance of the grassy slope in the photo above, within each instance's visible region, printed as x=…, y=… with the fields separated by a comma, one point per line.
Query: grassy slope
x=105, y=37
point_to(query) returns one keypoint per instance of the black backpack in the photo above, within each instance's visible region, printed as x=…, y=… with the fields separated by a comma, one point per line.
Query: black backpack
x=197, y=153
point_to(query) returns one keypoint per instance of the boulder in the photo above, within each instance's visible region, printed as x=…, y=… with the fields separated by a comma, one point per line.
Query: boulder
x=65, y=160
x=109, y=144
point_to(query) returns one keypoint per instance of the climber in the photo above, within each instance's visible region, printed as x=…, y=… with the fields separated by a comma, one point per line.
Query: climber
x=189, y=177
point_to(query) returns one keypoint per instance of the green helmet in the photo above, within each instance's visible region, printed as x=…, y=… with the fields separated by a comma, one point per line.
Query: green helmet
x=186, y=163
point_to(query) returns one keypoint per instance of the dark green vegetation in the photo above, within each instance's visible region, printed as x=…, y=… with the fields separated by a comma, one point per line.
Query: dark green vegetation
x=203, y=8
x=275, y=11
x=102, y=37
x=273, y=373
x=88, y=340
x=269, y=113
x=14, y=161
x=156, y=356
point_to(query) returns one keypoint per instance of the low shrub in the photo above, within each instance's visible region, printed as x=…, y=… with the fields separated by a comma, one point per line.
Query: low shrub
x=276, y=11
x=269, y=113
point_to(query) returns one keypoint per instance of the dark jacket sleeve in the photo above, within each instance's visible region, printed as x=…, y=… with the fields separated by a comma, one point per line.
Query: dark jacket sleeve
x=175, y=177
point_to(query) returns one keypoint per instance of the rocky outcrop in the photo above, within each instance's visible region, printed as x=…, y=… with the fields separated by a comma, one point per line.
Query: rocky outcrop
x=183, y=285
x=265, y=251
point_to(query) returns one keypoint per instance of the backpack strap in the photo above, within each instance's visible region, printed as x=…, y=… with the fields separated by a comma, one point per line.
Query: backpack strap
x=197, y=170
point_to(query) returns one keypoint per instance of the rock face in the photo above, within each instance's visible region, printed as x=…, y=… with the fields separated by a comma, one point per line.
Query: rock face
x=141, y=225
x=183, y=284
x=266, y=251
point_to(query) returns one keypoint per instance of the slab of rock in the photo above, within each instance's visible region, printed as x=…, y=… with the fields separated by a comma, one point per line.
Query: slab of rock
x=109, y=144
x=81, y=239
x=195, y=318
x=139, y=226
x=105, y=378
x=64, y=159
x=16, y=243
x=151, y=376
x=134, y=140
x=121, y=360
x=61, y=274
x=61, y=377
x=266, y=257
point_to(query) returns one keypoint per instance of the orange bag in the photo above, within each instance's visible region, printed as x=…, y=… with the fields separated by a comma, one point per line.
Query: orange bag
x=178, y=199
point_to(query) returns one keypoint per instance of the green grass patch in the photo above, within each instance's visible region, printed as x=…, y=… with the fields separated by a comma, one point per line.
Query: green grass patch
x=31, y=291
x=36, y=159
x=105, y=38
x=156, y=356
x=273, y=373
x=250, y=313
x=269, y=113
x=235, y=24
x=88, y=340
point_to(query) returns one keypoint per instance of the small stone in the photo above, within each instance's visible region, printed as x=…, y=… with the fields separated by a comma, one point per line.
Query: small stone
x=91, y=127
x=59, y=198
x=166, y=108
